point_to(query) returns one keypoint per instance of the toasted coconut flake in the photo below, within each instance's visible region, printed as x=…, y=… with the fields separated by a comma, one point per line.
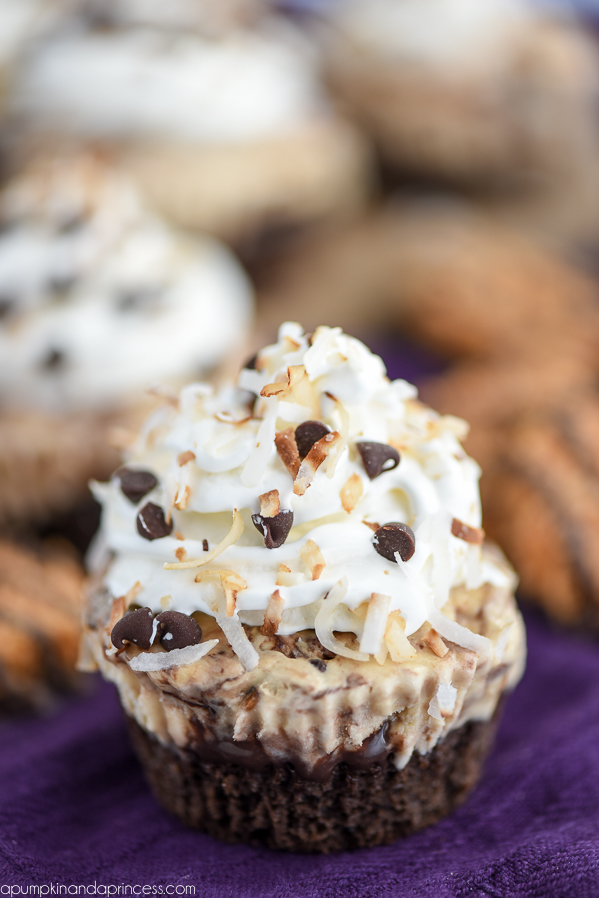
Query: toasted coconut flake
x=457, y=426
x=285, y=577
x=152, y=661
x=181, y=500
x=178, y=535
x=381, y=655
x=117, y=610
x=323, y=624
x=180, y=553
x=231, y=538
x=435, y=643
x=287, y=449
x=269, y=504
x=313, y=460
x=237, y=639
x=443, y=701
x=231, y=577
x=313, y=559
x=121, y=438
x=454, y=632
x=227, y=418
x=256, y=464
x=469, y=534
x=133, y=593
x=502, y=641
x=165, y=602
x=400, y=647
x=231, y=583
x=165, y=394
x=184, y=457
x=340, y=445
x=294, y=375
x=375, y=623
x=273, y=614
x=374, y=525
x=351, y=492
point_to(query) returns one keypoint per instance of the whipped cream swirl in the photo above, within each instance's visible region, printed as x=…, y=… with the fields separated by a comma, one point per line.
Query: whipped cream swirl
x=227, y=476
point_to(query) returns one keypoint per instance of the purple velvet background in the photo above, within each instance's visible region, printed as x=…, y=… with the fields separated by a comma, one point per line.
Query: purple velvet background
x=74, y=807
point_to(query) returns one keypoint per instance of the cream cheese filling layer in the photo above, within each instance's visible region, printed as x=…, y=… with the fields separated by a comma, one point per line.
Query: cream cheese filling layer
x=298, y=713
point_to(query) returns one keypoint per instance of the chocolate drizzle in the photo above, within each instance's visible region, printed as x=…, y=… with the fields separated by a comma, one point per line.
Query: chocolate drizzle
x=251, y=754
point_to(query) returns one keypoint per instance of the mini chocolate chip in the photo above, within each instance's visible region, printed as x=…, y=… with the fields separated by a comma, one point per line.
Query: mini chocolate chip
x=60, y=284
x=276, y=529
x=318, y=664
x=142, y=297
x=395, y=537
x=204, y=545
x=151, y=523
x=307, y=434
x=177, y=630
x=135, y=627
x=135, y=484
x=377, y=458
x=71, y=222
x=7, y=306
x=54, y=360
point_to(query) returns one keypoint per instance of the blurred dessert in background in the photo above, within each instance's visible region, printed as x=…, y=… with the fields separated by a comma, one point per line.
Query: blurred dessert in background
x=99, y=300
x=40, y=614
x=201, y=16
x=228, y=133
x=471, y=91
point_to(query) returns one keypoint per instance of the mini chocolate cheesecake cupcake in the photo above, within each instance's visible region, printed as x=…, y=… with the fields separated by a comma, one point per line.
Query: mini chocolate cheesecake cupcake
x=309, y=639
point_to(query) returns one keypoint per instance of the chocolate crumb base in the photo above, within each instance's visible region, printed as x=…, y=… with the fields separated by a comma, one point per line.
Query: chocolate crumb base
x=352, y=809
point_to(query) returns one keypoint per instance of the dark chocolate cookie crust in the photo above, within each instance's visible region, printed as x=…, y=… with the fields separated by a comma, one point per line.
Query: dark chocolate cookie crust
x=352, y=809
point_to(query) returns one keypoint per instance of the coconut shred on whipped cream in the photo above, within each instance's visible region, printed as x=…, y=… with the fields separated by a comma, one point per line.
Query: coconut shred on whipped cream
x=315, y=494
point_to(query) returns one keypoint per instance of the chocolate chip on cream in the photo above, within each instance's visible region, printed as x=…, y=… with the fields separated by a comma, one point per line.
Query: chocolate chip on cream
x=377, y=458
x=395, y=538
x=136, y=484
x=135, y=627
x=177, y=630
x=151, y=523
x=307, y=434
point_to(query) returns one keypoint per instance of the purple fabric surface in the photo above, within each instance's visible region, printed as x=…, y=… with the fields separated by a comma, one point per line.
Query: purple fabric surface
x=75, y=809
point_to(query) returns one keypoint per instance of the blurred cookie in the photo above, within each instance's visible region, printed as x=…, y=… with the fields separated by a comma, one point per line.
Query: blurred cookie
x=40, y=611
x=466, y=286
x=542, y=503
x=535, y=431
x=468, y=91
x=441, y=272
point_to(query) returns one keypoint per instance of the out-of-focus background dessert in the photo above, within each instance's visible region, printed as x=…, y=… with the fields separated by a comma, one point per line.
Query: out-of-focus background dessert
x=178, y=178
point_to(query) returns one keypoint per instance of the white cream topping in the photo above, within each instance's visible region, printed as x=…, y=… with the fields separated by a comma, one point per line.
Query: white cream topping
x=143, y=83
x=433, y=32
x=99, y=299
x=22, y=21
x=344, y=386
